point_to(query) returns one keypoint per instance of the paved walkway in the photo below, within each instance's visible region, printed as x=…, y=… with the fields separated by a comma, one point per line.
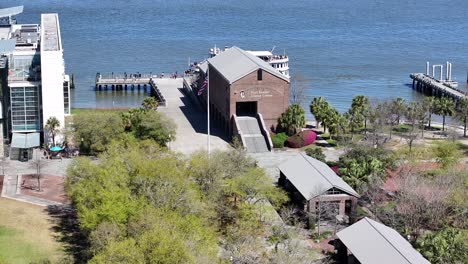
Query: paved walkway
x=271, y=160
x=191, y=122
x=11, y=189
x=13, y=169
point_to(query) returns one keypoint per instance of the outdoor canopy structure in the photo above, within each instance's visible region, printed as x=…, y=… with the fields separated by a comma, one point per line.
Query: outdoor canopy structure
x=372, y=242
x=312, y=183
x=25, y=141
x=312, y=177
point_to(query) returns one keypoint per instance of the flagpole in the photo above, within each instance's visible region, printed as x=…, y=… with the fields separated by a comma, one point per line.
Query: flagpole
x=208, y=112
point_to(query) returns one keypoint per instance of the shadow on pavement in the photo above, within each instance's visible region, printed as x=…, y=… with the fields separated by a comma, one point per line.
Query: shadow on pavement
x=66, y=225
x=198, y=120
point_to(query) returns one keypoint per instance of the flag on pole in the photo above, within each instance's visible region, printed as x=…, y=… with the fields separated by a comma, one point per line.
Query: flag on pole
x=205, y=84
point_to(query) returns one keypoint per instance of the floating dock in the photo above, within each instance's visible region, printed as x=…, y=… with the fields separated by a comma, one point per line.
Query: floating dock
x=120, y=82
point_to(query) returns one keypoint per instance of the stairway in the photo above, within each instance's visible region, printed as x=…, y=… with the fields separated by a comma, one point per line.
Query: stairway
x=251, y=134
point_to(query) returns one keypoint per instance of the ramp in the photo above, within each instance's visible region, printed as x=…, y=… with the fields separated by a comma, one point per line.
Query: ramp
x=251, y=134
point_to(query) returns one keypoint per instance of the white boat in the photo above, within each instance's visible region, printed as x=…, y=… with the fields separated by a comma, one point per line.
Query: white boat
x=279, y=62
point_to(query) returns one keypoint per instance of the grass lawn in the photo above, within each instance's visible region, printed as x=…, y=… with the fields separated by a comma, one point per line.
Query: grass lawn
x=26, y=234
x=81, y=111
x=78, y=111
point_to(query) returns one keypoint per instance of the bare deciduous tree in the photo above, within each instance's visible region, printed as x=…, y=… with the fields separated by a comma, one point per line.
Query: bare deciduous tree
x=297, y=89
x=379, y=116
x=37, y=163
x=422, y=202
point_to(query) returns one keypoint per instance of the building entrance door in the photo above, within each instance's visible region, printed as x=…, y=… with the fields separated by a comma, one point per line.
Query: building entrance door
x=246, y=108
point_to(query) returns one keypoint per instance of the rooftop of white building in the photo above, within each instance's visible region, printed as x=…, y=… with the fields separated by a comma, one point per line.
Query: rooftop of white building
x=50, y=33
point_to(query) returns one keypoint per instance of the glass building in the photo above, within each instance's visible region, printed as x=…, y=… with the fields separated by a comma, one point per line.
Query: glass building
x=25, y=109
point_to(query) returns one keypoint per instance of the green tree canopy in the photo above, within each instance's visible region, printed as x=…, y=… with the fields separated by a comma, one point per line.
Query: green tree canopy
x=358, y=113
x=153, y=125
x=430, y=105
x=398, y=108
x=149, y=103
x=293, y=119
x=445, y=107
x=319, y=108
x=316, y=153
x=462, y=113
x=94, y=131
x=166, y=208
x=446, y=246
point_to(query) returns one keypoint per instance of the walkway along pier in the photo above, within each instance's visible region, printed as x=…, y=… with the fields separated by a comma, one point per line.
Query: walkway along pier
x=130, y=82
x=430, y=85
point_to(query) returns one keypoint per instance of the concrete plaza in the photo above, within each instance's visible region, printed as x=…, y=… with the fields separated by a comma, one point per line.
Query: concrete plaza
x=191, y=121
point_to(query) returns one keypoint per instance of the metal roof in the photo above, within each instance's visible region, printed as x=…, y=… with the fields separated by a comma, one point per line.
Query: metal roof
x=373, y=242
x=203, y=66
x=24, y=141
x=235, y=63
x=11, y=11
x=312, y=177
x=7, y=46
x=50, y=40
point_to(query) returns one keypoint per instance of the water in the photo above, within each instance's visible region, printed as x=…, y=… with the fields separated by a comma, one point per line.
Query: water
x=343, y=48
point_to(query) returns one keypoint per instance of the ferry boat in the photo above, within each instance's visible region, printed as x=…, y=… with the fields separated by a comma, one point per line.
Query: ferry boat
x=279, y=62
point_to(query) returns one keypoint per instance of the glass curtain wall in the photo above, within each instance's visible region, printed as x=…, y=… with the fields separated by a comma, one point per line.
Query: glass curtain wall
x=25, y=109
x=25, y=68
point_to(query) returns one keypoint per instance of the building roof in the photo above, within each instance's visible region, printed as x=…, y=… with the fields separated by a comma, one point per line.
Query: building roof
x=7, y=46
x=11, y=11
x=373, y=242
x=203, y=66
x=312, y=177
x=50, y=40
x=235, y=63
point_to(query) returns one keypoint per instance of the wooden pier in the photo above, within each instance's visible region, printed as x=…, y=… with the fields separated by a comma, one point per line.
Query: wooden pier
x=430, y=86
x=124, y=82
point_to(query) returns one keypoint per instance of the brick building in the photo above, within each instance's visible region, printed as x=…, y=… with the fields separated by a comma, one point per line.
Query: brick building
x=242, y=84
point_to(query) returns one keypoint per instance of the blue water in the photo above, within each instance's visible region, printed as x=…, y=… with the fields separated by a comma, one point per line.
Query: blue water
x=342, y=47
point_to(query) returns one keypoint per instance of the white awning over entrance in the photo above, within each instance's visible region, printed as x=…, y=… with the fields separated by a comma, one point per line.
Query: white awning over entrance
x=25, y=141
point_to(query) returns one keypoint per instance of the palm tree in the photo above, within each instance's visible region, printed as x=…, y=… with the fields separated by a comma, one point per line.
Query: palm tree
x=463, y=113
x=149, y=103
x=52, y=125
x=359, y=111
x=293, y=119
x=430, y=103
x=331, y=120
x=319, y=107
x=398, y=108
x=445, y=107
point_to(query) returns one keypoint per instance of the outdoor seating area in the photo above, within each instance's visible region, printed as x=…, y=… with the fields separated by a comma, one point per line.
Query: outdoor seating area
x=57, y=152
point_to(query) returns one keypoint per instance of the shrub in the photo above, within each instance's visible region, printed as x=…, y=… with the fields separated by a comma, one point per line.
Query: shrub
x=446, y=153
x=279, y=140
x=315, y=153
x=302, y=139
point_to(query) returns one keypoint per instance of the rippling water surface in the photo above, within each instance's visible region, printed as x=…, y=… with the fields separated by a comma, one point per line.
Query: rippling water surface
x=342, y=48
